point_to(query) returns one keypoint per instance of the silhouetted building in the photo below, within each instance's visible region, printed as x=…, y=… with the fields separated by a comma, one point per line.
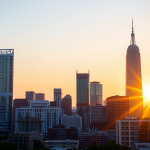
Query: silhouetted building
x=89, y=138
x=30, y=95
x=39, y=96
x=53, y=103
x=58, y=96
x=29, y=124
x=87, y=120
x=95, y=93
x=134, y=79
x=6, y=87
x=82, y=95
x=18, y=139
x=117, y=109
x=59, y=132
x=17, y=103
x=67, y=105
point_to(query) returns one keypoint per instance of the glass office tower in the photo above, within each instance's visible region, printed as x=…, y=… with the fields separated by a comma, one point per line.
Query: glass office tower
x=6, y=88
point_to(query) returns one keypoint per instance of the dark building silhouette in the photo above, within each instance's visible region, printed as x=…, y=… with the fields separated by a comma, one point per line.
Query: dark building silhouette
x=53, y=103
x=17, y=103
x=67, y=105
x=39, y=96
x=117, y=109
x=30, y=95
x=59, y=132
x=134, y=78
x=82, y=95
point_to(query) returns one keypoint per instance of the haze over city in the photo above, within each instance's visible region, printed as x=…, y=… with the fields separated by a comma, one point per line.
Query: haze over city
x=54, y=39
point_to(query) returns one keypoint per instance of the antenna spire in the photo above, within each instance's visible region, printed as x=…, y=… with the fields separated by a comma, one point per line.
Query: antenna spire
x=132, y=35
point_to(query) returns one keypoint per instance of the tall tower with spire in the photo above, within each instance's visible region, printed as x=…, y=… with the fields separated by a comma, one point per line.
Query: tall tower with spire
x=134, y=78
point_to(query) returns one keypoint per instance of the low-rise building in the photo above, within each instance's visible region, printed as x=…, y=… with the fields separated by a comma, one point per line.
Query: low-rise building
x=19, y=139
x=89, y=138
x=68, y=144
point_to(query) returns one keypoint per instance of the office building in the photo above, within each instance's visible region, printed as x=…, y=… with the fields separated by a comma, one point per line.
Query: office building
x=130, y=131
x=95, y=93
x=134, y=78
x=30, y=95
x=39, y=103
x=18, y=139
x=87, y=120
x=17, y=103
x=117, y=109
x=39, y=96
x=58, y=96
x=89, y=138
x=67, y=105
x=67, y=144
x=53, y=103
x=6, y=87
x=82, y=95
x=49, y=115
x=59, y=132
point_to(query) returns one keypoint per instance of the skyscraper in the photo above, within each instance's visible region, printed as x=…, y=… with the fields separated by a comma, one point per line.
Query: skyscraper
x=134, y=78
x=39, y=96
x=95, y=93
x=82, y=95
x=30, y=95
x=6, y=87
x=58, y=96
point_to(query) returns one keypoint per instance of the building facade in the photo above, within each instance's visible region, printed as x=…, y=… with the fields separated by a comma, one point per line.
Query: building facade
x=39, y=96
x=82, y=95
x=134, y=78
x=67, y=105
x=117, y=109
x=58, y=96
x=49, y=116
x=95, y=93
x=59, y=132
x=6, y=87
x=30, y=95
x=17, y=103
x=89, y=138
x=130, y=131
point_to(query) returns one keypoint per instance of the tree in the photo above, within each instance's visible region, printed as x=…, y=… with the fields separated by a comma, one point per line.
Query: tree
x=24, y=146
x=7, y=146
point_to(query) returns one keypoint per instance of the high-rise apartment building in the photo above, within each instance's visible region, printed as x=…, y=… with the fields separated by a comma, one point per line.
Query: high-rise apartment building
x=30, y=95
x=6, y=87
x=58, y=96
x=67, y=105
x=95, y=93
x=117, y=109
x=134, y=78
x=39, y=96
x=82, y=95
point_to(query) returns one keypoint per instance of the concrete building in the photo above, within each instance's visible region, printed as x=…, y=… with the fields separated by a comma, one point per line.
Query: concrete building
x=58, y=96
x=68, y=144
x=72, y=121
x=117, y=109
x=67, y=105
x=95, y=93
x=6, y=87
x=134, y=78
x=53, y=103
x=59, y=132
x=130, y=131
x=30, y=95
x=89, y=138
x=39, y=96
x=83, y=91
x=18, y=139
x=49, y=115
x=39, y=103
x=17, y=103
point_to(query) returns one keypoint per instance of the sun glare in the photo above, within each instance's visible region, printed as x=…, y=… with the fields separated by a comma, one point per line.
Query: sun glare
x=146, y=92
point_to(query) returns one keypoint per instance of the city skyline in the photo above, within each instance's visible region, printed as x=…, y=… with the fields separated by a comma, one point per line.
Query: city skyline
x=48, y=54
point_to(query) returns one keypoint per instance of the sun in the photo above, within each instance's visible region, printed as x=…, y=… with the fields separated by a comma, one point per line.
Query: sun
x=146, y=92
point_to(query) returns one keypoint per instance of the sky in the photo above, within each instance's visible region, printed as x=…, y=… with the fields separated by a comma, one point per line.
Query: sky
x=54, y=39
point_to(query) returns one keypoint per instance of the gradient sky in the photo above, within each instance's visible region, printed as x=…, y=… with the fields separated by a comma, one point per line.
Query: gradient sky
x=53, y=39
